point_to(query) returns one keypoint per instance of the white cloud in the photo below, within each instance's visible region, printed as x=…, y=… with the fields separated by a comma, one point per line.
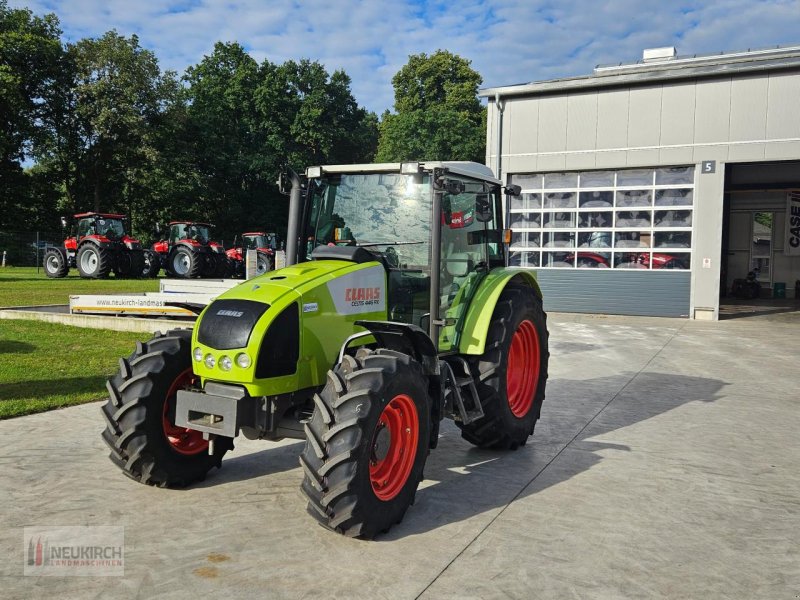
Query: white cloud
x=508, y=41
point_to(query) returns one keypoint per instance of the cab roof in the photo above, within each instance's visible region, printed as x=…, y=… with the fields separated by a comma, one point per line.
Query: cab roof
x=466, y=168
x=102, y=215
x=190, y=223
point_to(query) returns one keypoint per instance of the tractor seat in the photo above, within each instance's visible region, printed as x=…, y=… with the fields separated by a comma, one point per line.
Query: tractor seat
x=354, y=254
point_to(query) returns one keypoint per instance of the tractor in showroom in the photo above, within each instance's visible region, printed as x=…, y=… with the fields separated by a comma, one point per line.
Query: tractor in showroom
x=265, y=245
x=187, y=253
x=100, y=245
x=397, y=310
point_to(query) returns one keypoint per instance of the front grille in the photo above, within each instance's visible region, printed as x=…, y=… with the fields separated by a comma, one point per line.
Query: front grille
x=227, y=324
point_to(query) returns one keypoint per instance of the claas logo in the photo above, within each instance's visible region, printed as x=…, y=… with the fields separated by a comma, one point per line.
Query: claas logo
x=361, y=293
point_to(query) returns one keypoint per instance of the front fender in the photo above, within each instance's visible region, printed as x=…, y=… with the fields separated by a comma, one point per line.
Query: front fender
x=479, y=315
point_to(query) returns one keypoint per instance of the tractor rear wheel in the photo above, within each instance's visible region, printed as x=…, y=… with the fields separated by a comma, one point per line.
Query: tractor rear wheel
x=55, y=263
x=130, y=263
x=185, y=263
x=152, y=264
x=366, y=443
x=222, y=266
x=511, y=374
x=93, y=261
x=140, y=416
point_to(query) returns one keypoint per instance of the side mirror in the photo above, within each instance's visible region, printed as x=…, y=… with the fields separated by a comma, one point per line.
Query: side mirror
x=512, y=190
x=483, y=208
x=158, y=229
x=64, y=222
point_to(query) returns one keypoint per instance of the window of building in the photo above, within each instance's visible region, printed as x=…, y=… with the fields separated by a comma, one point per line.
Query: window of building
x=626, y=219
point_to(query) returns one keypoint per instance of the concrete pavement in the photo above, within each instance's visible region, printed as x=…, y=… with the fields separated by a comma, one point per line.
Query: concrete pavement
x=666, y=464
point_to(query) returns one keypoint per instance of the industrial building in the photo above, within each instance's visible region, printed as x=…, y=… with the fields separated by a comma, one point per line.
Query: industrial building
x=648, y=188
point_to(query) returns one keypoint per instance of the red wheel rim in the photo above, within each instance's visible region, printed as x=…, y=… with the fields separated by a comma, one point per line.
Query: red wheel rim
x=393, y=449
x=522, y=374
x=182, y=440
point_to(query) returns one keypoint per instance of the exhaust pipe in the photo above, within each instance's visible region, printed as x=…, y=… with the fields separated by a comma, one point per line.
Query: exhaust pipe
x=288, y=176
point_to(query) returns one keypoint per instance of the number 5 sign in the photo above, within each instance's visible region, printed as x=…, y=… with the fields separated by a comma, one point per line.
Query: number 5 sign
x=709, y=166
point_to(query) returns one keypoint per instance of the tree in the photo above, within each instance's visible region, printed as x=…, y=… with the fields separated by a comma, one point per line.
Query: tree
x=249, y=120
x=29, y=61
x=101, y=117
x=438, y=113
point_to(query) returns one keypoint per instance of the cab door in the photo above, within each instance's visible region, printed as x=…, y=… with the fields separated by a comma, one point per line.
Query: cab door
x=470, y=247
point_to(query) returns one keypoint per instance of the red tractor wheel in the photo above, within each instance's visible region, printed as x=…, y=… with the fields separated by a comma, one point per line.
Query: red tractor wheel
x=367, y=443
x=512, y=373
x=140, y=416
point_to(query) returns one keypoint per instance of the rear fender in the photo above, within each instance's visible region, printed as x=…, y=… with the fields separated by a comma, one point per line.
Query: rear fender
x=479, y=315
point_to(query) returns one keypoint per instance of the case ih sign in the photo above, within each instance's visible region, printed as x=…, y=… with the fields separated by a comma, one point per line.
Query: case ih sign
x=792, y=243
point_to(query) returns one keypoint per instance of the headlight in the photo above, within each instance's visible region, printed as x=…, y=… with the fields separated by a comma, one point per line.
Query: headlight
x=210, y=362
x=225, y=363
x=198, y=354
x=243, y=360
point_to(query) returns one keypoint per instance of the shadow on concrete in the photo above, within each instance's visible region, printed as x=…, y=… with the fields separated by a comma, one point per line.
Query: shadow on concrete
x=14, y=347
x=269, y=461
x=469, y=481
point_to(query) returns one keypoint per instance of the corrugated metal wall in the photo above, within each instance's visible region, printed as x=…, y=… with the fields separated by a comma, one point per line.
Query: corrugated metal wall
x=645, y=293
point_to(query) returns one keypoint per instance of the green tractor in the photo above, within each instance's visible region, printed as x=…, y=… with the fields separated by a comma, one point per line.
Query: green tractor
x=396, y=311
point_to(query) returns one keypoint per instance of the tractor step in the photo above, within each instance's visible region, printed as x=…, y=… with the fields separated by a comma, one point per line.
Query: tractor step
x=462, y=402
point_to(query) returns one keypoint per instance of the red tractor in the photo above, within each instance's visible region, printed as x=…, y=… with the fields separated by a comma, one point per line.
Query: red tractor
x=188, y=252
x=100, y=245
x=265, y=245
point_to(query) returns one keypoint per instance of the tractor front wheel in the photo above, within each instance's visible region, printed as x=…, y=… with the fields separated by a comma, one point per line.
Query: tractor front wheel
x=55, y=263
x=512, y=372
x=140, y=416
x=366, y=443
x=93, y=261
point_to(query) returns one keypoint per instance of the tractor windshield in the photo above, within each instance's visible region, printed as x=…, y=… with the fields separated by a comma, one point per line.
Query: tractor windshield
x=254, y=242
x=376, y=210
x=113, y=229
x=189, y=231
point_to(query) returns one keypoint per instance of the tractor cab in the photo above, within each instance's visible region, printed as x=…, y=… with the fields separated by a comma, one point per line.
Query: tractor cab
x=435, y=227
x=260, y=241
x=198, y=232
x=110, y=226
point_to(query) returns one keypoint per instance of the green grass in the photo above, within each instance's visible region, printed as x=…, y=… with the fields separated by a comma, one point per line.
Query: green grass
x=45, y=365
x=23, y=286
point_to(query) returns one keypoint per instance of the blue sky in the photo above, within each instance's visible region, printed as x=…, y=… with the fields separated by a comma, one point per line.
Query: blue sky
x=508, y=41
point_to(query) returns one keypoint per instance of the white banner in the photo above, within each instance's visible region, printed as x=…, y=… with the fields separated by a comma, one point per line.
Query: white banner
x=791, y=245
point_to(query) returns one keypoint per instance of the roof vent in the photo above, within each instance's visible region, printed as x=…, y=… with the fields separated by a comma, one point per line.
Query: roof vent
x=656, y=54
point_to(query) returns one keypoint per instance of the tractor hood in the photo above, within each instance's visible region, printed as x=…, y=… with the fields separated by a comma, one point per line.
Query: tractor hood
x=289, y=324
x=294, y=281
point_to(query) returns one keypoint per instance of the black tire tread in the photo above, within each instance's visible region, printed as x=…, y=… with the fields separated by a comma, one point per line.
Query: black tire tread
x=130, y=409
x=499, y=429
x=63, y=266
x=330, y=459
x=104, y=261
